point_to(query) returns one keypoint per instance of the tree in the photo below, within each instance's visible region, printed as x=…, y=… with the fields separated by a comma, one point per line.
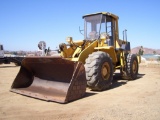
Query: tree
x=154, y=52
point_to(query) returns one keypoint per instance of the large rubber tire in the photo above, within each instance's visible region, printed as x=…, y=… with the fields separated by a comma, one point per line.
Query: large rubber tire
x=99, y=71
x=131, y=67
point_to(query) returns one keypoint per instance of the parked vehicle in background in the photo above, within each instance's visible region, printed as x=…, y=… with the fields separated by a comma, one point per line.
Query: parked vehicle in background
x=7, y=60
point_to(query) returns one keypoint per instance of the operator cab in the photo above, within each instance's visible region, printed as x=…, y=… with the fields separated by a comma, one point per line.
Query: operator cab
x=98, y=24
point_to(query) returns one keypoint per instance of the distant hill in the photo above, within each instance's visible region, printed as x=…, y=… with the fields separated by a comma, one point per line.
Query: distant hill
x=37, y=53
x=146, y=50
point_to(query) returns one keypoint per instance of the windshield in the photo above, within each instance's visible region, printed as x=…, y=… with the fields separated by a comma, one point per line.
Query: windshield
x=92, y=27
x=95, y=25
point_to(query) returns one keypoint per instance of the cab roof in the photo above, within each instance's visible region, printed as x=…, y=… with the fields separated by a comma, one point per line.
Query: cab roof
x=104, y=13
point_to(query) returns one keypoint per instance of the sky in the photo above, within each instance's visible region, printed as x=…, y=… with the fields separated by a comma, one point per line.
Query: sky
x=23, y=23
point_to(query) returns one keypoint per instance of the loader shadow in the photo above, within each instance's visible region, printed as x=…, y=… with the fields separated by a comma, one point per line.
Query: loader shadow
x=88, y=94
x=8, y=66
x=118, y=81
x=140, y=76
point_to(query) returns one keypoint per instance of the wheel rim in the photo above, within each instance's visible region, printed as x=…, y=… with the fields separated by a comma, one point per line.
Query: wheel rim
x=134, y=66
x=105, y=71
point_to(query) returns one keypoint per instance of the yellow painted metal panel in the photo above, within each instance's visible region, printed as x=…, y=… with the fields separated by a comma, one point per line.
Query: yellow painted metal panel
x=77, y=51
x=110, y=50
x=89, y=50
x=139, y=59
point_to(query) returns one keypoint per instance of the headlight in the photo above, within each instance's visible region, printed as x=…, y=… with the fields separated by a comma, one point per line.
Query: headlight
x=69, y=39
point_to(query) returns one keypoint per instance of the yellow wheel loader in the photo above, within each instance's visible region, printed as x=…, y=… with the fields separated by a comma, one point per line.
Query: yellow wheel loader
x=90, y=62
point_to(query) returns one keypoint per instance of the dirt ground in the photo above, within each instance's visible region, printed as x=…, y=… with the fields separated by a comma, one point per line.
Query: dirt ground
x=126, y=100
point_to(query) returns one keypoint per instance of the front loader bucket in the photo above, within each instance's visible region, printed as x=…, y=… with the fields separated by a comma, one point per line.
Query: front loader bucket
x=50, y=78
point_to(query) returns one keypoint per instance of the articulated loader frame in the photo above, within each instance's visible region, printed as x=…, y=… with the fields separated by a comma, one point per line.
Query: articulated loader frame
x=91, y=62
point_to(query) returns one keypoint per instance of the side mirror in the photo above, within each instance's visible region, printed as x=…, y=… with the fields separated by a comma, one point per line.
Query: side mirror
x=80, y=30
